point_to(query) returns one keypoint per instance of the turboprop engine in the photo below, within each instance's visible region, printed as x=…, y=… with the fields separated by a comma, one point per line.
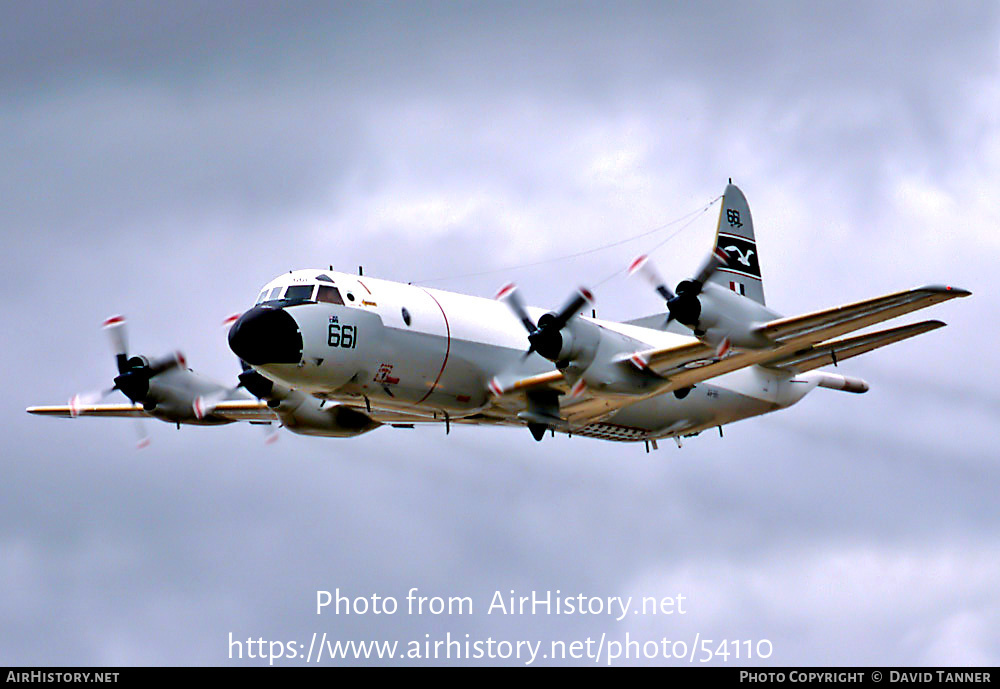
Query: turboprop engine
x=588, y=354
x=715, y=315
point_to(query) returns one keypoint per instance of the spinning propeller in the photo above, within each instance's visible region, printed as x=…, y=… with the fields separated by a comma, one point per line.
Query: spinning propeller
x=546, y=336
x=683, y=306
x=134, y=373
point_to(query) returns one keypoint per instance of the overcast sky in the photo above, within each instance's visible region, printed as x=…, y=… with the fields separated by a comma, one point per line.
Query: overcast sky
x=164, y=160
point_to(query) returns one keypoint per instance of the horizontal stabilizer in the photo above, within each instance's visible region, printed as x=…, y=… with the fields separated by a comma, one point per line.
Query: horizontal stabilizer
x=836, y=351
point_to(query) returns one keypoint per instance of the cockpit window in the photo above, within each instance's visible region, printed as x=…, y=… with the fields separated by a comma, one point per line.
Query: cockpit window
x=324, y=278
x=274, y=294
x=299, y=292
x=262, y=296
x=330, y=295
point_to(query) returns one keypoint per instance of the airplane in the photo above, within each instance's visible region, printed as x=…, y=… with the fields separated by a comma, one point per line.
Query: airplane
x=336, y=354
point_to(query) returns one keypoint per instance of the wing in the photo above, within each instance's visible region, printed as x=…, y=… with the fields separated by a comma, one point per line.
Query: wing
x=110, y=410
x=680, y=366
x=244, y=410
x=666, y=360
x=822, y=325
x=234, y=410
x=799, y=344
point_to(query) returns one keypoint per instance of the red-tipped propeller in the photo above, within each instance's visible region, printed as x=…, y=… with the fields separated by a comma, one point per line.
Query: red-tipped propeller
x=545, y=337
x=642, y=266
x=684, y=305
x=134, y=373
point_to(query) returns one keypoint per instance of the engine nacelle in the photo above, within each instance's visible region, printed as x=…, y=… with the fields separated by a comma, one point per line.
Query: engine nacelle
x=330, y=420
x=725, y=314
x=597, y=351
x=304, y=414
x=580, y=342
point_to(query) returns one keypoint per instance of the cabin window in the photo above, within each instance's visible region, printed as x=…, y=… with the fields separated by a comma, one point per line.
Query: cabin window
x=330, y=295
x=299, y=292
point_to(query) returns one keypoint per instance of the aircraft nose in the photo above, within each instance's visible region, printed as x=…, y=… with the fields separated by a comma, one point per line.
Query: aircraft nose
x=266, y=335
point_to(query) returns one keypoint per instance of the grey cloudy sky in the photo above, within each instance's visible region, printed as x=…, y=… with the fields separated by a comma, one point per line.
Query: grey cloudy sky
x=164, y=160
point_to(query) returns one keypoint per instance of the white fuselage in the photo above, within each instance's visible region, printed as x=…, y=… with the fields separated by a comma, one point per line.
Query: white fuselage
x=432, y=353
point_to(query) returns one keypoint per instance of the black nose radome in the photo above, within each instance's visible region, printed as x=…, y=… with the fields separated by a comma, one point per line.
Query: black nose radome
x=266, y=335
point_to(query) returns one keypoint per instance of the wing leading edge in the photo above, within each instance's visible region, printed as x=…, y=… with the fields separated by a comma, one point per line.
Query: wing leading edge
x=822, y=325
x=233, y=410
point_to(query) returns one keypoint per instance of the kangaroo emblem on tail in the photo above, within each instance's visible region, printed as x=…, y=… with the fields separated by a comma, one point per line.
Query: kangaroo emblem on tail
x=742, y=258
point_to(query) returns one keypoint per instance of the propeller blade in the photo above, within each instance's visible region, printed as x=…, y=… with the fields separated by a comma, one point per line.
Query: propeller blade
x=87, y=399
x=204, y=405
x=545, y=337
x=141, y=434
x=115, y=327
x=642, y=266
x=230, y=319
x=715, y=260
x=571, y=308
x=166, y=363
x=510, y=296
x=723, y=348
x=272, y=435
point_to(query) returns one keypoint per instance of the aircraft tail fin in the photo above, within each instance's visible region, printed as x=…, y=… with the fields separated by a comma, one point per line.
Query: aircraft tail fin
x=735, y=238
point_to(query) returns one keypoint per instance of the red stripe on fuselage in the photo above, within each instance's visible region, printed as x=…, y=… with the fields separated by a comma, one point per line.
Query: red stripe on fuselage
x=447, y=351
